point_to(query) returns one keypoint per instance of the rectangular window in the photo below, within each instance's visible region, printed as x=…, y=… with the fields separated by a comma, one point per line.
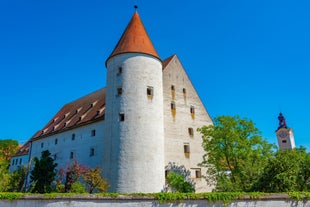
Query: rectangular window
x=120, y=70
x=119, y=91
x=92, y=152
x=150, y=91
x=73, y=137
x=71, y=155
x=55, y=156
x=198, y=173
x=20, y=161
x=93, y=133
x=172, y=88
x=191, y=131
x=283, y=141
x=42, y=145
x=121, y=117
x=184, y=91
x=186, y=148
x=172, y=105
x=56, y=141
x=192, y=110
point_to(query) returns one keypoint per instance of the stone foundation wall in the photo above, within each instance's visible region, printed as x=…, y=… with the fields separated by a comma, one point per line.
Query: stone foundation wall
x=93, y=201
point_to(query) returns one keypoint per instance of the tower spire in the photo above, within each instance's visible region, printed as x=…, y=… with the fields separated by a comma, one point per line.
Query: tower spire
x=135, y=40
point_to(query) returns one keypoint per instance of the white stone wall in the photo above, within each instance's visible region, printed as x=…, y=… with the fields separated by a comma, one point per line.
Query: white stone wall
x=135, y=147
x=80, y=146
x=71, y=202
x=177, y=122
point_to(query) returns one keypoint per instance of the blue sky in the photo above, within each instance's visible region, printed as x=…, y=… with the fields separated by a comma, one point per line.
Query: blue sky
x=247, y=58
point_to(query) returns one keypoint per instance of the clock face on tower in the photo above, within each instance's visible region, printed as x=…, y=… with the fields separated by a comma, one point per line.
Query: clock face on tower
x=283, y=134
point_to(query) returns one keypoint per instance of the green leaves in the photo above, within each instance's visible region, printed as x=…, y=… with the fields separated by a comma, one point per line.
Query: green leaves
x=43, y=173
x=235, y=155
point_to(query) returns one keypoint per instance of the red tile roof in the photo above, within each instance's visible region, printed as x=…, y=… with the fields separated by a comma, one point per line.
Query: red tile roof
x=167, y=61
x=135, y=39
x=85, y=110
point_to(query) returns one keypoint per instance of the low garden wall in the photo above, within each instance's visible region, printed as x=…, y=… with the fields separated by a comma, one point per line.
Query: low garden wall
x=274, y=200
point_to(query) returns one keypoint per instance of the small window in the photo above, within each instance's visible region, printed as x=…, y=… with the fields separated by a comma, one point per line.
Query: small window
x=150, y=91
x=73, y=137
x=71, y=155
x=283, y=141
x=92, y=152
x=172, y=88
x=191, y=131
x=42, y=145
x=119, y=91
x=166, y=173
x=121, y=117
x=93, y=133
x=20, y=161
x=56, y=141
x=120, y=70
x=186, y=148
x=55, y=156
x=198, y=173
x=184, y=91
x=192, y=110
x=172, y=105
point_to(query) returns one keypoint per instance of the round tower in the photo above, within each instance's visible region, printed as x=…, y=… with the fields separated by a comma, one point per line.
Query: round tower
x=134, y=124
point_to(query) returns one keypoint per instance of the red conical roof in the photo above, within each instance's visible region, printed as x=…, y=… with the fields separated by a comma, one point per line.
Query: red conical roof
x=135, y=39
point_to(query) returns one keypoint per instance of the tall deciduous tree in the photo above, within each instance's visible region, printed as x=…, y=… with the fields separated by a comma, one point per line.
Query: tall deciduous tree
x=43, y=173
x=235, y=155
x=8, y=148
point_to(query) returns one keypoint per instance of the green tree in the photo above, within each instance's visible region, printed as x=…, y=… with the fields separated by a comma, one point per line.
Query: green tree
x=73, y=173
x=235, y=155
x=94, y=180
x=288, y=170
x=8, y=148
x=4, y=176
x=43, y=173
x=17, y=180
x=179, y=179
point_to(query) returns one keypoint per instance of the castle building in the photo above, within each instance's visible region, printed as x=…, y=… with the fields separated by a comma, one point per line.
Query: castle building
x=285, y=135
x=145, y=117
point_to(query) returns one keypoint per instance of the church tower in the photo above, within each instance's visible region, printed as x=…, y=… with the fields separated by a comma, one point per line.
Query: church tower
x=285, y=135
x=134, y=124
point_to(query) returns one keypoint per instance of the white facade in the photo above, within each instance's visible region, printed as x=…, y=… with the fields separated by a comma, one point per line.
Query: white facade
x=146, y=117
x=137, y=142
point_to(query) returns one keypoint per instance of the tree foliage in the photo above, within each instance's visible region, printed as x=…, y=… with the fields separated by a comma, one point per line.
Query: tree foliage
x=43, y=173
x=17, y=180
x=73, y=173
x=179, y=179
x=94, y=180
x=288, y=170
x=235, y=155
x=8, y=148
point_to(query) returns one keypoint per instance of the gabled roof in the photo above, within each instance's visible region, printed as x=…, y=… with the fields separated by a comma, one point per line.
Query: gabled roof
x=167, y=61
x=134, y=39
x=81, y=111
x=85, y=110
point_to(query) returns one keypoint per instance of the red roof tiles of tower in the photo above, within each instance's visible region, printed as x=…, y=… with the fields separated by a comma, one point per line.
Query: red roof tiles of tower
x=135, y=39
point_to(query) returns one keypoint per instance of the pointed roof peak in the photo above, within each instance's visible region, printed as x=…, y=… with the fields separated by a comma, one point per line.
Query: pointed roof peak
x=134, y=39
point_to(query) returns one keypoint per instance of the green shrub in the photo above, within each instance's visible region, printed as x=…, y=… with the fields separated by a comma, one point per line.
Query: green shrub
x=78, y=187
